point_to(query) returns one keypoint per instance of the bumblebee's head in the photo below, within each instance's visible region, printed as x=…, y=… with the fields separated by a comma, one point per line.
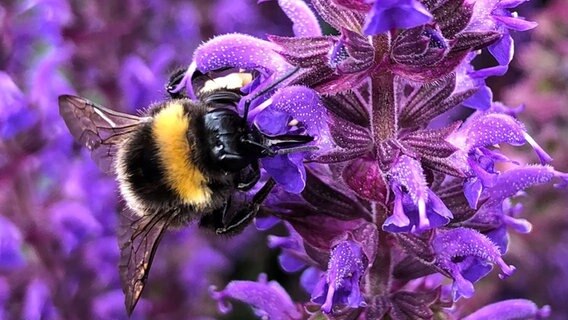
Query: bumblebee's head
x=232, y=144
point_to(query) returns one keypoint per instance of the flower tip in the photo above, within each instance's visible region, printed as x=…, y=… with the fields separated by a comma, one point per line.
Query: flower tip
x=519, y=225
x=507, y=270
x=563, y=184
x=523, y=226
x=543, y=156
x=262, y=278
x=222, y=304
x=544, y=312
x=463, y=288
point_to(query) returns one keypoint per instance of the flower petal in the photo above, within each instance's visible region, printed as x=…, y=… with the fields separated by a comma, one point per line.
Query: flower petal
x=11, y=255
x=510, y=310
x=503, y=50
x=464, y=243
x=395, y=14
x=288, y=171
x=305, y=23
x=510, y=182
x=238, y=51
x=340, y=286
x=268, y=299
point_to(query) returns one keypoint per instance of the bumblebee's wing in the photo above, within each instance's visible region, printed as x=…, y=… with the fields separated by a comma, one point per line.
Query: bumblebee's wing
x=98, y=128
x=138, y=239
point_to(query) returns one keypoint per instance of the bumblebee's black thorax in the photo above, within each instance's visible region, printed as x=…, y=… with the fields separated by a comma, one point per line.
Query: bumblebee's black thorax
x=220, y=138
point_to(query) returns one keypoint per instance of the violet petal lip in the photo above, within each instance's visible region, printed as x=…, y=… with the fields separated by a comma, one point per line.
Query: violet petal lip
x=268, y=298
x=400, y=14
x=305, y=23
x=239, y=51
x=511, y=309
x=340, y=284
x=464, y=242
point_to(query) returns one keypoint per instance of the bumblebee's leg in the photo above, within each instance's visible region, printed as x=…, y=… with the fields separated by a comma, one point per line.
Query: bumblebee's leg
x=175, y=80
x=251, y=180
x=244, y=216
x=265, y=90
x=214, y=220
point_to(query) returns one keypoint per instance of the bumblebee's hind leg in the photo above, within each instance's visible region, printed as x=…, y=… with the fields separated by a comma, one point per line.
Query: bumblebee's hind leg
x=245, y=215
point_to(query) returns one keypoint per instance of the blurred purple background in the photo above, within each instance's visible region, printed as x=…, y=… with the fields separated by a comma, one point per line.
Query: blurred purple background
x=58, y=252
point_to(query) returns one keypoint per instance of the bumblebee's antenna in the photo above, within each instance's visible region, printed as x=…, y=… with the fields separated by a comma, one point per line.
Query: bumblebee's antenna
x=265, y=90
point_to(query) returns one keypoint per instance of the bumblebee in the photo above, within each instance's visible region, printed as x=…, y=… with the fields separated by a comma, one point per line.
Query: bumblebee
x=183, y=160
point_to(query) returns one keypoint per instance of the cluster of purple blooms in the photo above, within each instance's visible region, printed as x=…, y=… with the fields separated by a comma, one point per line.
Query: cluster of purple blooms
x=398, y=192
x=406, y=204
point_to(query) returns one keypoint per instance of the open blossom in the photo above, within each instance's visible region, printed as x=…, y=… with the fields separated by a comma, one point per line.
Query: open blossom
x=466, y=255
x=341, y=283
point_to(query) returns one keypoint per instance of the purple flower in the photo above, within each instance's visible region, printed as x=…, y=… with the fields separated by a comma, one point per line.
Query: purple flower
x=467, y=255
x=74, y=223
x=16, y=116
x=305, y=23
x=487, y=129
x=292, y=110
x=480, y=131
x=510, y=310
x=11, y=255
x=406, y=186
x=109, y=305
x=143, y=82
x=417, y=208
x=293, y=256
x=340, y=285
x=386, y=15
x=268, y=299
x=469, y=78
x=496, y=15
x=517, y=179
x=37, y=303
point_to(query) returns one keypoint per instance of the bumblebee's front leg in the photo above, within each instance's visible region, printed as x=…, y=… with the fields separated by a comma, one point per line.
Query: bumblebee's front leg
x=247, y=179
x=245, y=215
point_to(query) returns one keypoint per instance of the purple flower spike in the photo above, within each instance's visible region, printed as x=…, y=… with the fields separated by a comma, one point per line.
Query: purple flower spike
x=305, y=23
x=238, y=51
x=510, y=310
x=395, y=14
x=268, y=299
x=340, y=284
x=466, y=254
